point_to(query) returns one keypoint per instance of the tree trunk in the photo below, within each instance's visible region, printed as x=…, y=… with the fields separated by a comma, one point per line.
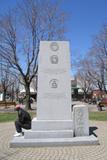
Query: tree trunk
x=4, y=97
x=12, y=93
x=16, y=95
x=28, y=104
x=85, y=95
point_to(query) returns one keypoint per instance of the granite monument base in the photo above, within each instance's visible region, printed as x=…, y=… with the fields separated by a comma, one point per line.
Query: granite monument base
x=44, y=132
x=85, y=140
x=50, y=129
x=58, y=132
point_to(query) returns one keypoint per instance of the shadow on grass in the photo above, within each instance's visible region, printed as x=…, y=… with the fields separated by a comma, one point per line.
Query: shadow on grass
x=92, y=129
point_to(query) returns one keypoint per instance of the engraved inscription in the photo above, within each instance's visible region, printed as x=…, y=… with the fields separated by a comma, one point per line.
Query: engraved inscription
x=79, y=122
x=53, y=83
x=54, y=59
x=54, y=46
x=80, y=130
x=80, y=117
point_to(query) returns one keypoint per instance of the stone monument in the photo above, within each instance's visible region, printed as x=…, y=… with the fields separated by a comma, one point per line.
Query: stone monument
x=55, y=123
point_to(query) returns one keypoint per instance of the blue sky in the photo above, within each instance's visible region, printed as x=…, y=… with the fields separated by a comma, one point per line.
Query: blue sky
x=86, y=19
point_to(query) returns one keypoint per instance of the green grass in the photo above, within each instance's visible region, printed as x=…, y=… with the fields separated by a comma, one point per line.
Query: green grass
x=98, y=116
x=7, y=117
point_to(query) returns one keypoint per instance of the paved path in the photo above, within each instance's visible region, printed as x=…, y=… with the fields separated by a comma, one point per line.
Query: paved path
x=96, y=152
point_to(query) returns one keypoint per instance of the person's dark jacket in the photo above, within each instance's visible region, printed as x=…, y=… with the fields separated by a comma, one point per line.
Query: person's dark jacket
x=24, y=116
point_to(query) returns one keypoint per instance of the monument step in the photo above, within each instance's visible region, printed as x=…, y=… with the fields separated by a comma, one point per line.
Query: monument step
x=48, y=134
x=41, y=125
x=22, y=142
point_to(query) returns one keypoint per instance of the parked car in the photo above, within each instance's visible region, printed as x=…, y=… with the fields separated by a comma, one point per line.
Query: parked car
x=102, y=103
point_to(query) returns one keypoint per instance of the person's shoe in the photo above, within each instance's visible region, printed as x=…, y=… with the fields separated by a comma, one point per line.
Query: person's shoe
x=17, y=134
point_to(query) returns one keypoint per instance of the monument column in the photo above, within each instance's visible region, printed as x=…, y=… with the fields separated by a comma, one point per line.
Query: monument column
x=54, y=115
x=54, y=83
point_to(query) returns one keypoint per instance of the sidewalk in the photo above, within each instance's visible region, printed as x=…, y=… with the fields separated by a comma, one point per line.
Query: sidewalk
x=96, y=152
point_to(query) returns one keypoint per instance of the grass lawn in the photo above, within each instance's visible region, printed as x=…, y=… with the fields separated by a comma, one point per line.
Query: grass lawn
x=97, y=116
x=7, y=117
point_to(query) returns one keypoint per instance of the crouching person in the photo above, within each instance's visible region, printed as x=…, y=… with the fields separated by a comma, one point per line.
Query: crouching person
x=23, y=121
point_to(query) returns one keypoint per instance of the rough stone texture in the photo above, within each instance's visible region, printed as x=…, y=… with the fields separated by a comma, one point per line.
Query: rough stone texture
x=81, y=120
x=96, y=152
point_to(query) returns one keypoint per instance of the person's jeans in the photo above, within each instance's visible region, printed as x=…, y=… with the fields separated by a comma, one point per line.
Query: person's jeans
x=19, y=126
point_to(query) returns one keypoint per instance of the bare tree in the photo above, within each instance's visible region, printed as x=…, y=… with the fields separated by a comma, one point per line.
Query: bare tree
x=21, y=32
x=7, y=79
x=98, y=60
x=83, y=78
x=94, y=64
